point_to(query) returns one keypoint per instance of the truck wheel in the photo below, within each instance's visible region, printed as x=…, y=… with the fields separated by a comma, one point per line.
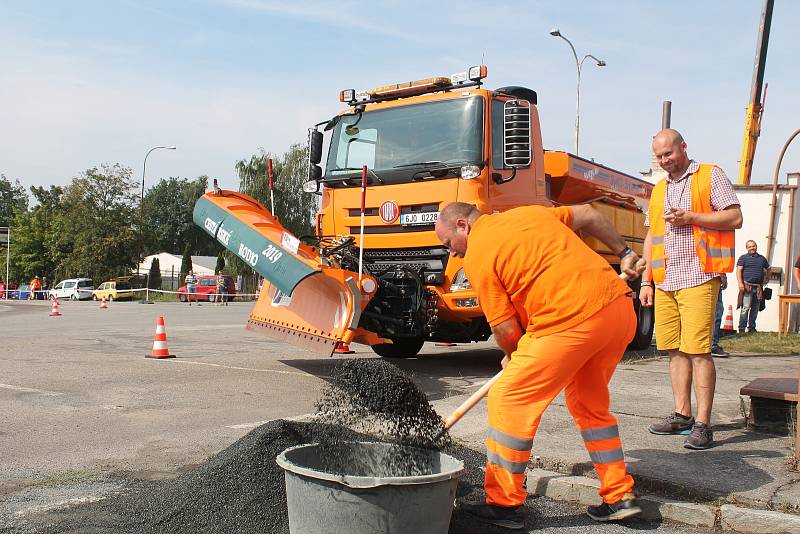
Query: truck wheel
x=182, y=297
x=400, y=348
x=644, y=325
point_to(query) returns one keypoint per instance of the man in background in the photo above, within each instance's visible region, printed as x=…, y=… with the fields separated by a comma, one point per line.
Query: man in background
x=191, y=287
x=752, y=272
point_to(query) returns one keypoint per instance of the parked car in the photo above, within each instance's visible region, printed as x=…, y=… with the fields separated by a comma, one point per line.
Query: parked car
x=73, y=289
x=113, y=290
x=23, y=292
x=206, y=287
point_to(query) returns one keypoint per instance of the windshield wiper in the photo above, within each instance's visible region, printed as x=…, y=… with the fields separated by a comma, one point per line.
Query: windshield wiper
x=344, y=179
x=419, y=164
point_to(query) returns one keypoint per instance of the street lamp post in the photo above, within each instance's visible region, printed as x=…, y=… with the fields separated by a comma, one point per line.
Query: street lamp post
x=578, y=65
x=141, y=220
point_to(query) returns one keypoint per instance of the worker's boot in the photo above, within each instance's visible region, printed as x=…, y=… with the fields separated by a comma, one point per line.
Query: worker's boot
x=510, y=517
x=622, y=509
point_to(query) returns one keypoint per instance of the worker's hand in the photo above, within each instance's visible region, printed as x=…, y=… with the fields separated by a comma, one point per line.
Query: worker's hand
x=741, y=287
x=505, y=361
x=679, y=217
x=646, y=296
x=632, y=265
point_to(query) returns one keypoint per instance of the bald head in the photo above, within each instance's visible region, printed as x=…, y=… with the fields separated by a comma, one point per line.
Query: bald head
x=670, y=151
x=458, y=210
x=453, y=226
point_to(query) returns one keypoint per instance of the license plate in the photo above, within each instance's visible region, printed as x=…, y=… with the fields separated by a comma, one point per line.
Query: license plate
x=425, y=217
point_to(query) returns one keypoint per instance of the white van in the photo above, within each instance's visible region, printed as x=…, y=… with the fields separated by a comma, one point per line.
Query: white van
x=73, y=289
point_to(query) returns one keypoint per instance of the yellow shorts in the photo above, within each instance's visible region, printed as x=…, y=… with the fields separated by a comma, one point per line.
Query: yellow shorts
x=685, y=318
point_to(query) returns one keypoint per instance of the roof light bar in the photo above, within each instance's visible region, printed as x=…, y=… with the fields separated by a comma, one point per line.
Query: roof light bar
x=468, y=78
x=417, y=86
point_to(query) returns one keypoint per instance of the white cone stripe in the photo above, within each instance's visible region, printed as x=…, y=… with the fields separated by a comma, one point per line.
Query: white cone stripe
x=160, y=329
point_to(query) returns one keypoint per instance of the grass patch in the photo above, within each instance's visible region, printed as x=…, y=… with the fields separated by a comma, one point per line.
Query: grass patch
x=762, y=342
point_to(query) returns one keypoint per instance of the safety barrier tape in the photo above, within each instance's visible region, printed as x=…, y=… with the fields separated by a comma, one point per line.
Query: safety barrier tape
x=46, y=293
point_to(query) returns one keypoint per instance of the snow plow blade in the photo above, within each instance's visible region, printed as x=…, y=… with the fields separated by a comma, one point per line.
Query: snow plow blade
x=303, y=301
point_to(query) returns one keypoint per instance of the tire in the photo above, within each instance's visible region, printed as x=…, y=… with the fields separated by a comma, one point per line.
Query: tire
x=645, y=319
x=182, y=297
x=73, y=297
x=400, y=348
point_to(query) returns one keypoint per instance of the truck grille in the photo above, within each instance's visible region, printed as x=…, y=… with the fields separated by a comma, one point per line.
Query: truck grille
x=430, y=262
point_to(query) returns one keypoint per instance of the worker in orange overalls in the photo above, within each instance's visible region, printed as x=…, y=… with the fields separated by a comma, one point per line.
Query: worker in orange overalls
x=34, y=286
x=563, y=317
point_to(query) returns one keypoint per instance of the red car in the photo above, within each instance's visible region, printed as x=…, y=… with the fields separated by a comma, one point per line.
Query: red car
x=206, y=287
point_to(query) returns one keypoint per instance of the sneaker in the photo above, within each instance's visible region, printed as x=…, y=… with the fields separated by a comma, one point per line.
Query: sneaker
x=702, y=437
x=617, y=511
x=674, y=423
x=510, y=517
x=719, y=352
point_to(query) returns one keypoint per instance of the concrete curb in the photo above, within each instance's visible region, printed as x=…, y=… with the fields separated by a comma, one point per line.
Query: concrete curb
x=583, y=490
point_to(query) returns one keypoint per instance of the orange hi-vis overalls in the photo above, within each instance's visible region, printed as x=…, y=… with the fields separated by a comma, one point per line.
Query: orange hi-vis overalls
x=578, y=323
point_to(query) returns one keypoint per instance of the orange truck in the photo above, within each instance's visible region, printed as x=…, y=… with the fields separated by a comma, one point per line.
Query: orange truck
x=414, y=147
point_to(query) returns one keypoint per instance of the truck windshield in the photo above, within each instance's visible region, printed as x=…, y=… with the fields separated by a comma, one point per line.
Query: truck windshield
x=405, y=143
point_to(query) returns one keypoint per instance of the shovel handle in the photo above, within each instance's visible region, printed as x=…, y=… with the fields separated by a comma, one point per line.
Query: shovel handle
x=468, y=404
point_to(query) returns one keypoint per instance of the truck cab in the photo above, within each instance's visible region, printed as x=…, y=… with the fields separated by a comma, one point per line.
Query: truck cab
x=417, y=146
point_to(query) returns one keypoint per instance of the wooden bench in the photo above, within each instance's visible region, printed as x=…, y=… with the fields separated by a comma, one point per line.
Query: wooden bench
x=773, y=403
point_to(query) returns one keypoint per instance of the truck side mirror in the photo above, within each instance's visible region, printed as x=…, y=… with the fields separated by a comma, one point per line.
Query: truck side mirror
x=314, y=146
x=517, y=134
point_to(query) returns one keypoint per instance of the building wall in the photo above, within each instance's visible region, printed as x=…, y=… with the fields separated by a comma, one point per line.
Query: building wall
x=755, y=202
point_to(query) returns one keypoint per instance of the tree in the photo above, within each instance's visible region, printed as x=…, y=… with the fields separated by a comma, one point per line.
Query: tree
x=220, y=267
x=35, y=235
x=154, y=277
x=168, y=224
x=186, y=261
x=13, y=200
x=96, y=234
x=294, y=207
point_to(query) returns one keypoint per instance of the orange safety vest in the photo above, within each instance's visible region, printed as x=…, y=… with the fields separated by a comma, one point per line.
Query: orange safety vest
x=715, y=248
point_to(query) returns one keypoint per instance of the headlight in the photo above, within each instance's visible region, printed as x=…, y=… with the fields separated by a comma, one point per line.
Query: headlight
x=460, y=282
x=468, y=172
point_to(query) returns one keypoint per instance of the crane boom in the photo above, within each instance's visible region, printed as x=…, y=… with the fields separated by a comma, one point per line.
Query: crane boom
x=752, y=123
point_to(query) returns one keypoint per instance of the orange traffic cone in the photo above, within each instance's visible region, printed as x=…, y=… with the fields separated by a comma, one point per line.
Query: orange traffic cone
x=343, y=348
x=103, y=304
x=54, y=311
x=728, y=324
x=160, y=342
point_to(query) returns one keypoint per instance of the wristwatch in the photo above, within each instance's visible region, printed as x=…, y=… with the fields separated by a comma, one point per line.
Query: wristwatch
x=625, y=251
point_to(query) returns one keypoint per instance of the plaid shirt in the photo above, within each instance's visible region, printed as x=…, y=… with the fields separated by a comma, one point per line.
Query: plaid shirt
x=682, y=265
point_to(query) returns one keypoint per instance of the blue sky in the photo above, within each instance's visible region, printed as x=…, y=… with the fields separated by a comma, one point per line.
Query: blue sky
x=91, y=82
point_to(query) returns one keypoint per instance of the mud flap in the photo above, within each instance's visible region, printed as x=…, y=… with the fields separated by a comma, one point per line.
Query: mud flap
x=302, y=302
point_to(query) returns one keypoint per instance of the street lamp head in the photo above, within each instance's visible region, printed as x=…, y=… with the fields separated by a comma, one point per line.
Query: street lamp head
x=555, y=33
x=601, y=63
x=174, y=147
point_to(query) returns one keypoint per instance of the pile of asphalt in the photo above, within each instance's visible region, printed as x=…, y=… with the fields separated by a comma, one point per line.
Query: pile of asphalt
x=239, y=490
